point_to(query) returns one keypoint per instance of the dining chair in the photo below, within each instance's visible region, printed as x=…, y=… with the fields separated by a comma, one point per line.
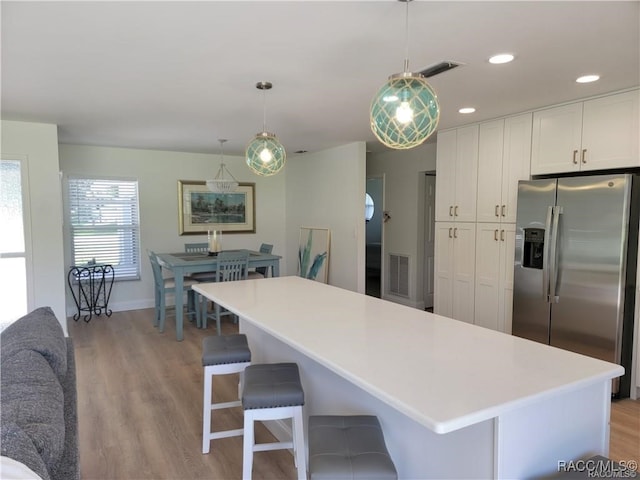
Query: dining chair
x=164, y=285
x=202, y=247
x=261, y=272
x=231, y=266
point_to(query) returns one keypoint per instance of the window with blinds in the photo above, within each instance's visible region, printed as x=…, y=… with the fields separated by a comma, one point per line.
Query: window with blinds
x=105, y=226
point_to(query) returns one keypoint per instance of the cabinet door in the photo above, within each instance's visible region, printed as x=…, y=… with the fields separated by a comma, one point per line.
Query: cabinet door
x=516, y=162
x=490, y=153
x=466, y=179
x=445, y=175
x=443, y=287
x=556, y=142
x=464, y=263
x=507, y=256
x=610, y=136
x=488, y=270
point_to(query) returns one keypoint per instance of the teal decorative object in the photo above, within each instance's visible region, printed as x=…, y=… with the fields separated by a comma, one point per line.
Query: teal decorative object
x=405, y=111
x=265, y=154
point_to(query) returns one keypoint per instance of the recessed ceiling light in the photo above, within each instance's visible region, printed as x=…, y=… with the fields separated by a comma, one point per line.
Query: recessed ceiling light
x=467, y=110
x=588, y=78
x=501, y=58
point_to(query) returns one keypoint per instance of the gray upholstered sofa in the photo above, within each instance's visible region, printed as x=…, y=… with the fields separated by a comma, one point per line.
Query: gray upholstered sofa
x=39, y=425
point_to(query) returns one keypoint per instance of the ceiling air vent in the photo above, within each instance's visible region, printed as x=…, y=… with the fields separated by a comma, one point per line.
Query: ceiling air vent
x=439, y=68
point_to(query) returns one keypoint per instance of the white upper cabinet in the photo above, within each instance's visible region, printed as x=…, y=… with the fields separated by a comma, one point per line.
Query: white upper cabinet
x=610, y=132
x=593, y=135
x=504, y=153
x=457, y=174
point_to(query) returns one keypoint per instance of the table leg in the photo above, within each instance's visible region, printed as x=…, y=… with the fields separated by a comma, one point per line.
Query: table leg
x=275, y=268
x=179, y=282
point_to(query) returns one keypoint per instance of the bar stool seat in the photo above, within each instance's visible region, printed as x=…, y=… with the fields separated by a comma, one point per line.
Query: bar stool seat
x=273, y=392
x=348, y=447
x=221, y=355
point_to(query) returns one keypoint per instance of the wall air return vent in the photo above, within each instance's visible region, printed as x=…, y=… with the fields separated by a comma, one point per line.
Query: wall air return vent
x=399, y=275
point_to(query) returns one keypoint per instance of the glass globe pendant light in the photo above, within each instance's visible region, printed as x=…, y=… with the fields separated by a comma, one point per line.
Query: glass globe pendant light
x=405, y=111
x=265, y=154
x=220, y=184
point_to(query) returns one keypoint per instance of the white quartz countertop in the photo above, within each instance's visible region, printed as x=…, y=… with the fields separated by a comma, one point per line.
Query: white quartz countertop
x=440, y=372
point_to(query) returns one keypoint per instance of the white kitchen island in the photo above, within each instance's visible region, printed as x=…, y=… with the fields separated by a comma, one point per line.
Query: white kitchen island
x=454, y=400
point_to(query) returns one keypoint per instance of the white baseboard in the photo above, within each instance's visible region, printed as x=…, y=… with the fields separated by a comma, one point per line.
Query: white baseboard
x=280, y=429
x=119, y=306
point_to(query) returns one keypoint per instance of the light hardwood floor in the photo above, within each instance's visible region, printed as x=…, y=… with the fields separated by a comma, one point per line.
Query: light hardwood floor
x=140, y=406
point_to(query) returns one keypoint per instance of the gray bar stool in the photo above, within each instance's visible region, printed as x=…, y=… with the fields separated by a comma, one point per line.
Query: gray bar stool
x=348, y=447
x=273, y=392
x=221, y=355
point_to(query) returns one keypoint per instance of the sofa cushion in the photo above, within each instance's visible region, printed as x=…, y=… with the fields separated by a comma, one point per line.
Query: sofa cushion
x=41, y=332
x=32, y=399
x=17, y=445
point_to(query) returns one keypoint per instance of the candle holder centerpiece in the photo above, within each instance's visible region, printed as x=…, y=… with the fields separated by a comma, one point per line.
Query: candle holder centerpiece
x=214, y=240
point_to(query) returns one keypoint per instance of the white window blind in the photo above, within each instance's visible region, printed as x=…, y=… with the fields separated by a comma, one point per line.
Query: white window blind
x=105, y=224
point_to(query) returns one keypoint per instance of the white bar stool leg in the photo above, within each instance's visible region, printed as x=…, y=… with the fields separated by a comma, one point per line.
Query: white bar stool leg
x=208, y=405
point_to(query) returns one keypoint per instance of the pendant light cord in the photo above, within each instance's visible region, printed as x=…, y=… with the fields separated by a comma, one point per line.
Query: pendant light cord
x=264, y=110
x=406, y=29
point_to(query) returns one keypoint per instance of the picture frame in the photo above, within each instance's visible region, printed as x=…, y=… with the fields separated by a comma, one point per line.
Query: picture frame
x=313, y=253
x=201, y=210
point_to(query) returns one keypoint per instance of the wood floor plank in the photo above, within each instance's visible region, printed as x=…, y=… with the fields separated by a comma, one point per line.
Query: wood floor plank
x=140, y=406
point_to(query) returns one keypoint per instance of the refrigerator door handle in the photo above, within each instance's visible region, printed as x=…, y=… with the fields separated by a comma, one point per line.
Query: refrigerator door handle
x=553, y=268
x=545, y=254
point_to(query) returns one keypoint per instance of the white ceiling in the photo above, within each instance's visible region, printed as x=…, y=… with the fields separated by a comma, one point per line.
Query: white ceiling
x=179, y=75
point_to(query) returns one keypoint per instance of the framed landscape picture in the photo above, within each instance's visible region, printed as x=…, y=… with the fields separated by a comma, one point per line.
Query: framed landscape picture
x=201, y=210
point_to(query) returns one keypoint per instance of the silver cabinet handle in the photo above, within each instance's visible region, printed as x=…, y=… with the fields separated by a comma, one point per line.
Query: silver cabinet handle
x=450, y=210
x=575, y=157
x=495, y=234
x=455, y=211
x=503, y=210
x=502, y=235
x=497, y=208
x=450, y=232
x=455, y=233
x=584, y=155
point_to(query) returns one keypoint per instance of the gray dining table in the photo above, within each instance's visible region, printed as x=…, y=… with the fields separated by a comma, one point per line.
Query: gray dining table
x=182, y=264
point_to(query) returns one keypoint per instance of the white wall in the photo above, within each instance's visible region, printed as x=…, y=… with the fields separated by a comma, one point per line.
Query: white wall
x=326, y=189
x=38, y=143
x=158, y=173
x=404, y=200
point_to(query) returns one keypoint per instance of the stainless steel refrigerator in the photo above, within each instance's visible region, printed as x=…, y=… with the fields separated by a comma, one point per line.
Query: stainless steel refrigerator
x=575, y=266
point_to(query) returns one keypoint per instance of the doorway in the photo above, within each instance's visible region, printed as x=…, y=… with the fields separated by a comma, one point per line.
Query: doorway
x=13, y=253
x=429, y=239
x=373, y=218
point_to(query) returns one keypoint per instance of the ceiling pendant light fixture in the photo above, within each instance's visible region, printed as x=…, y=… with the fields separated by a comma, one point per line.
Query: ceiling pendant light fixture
x=220, y=184
x=405, y=111
x=265, y=154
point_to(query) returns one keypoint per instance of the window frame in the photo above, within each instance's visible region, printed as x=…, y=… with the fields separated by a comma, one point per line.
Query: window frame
x=130, y=227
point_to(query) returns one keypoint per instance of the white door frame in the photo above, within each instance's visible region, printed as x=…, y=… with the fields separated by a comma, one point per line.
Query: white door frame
x=26, y=222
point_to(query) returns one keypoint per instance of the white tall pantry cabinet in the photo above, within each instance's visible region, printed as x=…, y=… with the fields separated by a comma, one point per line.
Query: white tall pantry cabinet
x=474, y=257
x=456, y=184
x=503, y=160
